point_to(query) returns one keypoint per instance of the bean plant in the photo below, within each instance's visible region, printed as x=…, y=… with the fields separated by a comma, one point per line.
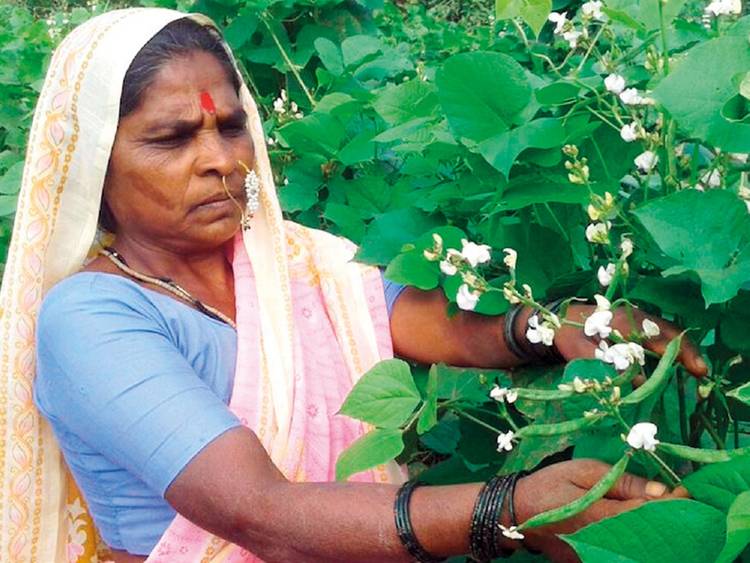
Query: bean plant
x=522, y=152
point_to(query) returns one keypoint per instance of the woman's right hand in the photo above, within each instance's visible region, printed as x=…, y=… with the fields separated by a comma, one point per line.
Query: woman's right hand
x=562, y=483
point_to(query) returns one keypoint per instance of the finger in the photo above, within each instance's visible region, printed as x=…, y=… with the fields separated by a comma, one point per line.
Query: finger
x=688, y=356
x=678, y=492
x=631, y=486
x=638, y=380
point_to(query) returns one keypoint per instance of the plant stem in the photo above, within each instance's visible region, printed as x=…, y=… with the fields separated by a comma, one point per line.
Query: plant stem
x=475, y=420
x=663, y=33
x=665, y=469
x=287, y=60
x=557, y=222
x=711, y=431
x=684, y=433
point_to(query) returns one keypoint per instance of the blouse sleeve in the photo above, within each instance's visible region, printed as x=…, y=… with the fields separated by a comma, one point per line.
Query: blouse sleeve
x=110, y=373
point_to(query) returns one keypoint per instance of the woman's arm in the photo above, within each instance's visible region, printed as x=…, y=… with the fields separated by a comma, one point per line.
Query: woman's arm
x=422, y=331
x=232, y=489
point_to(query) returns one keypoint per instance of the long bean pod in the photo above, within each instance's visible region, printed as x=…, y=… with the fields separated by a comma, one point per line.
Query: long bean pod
x=701, y=455
x=660, y=375
x=553, y=429
x=582, y=503
x=542, y=394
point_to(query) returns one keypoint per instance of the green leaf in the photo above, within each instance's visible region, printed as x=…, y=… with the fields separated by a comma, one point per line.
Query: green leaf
x=557, y=93
x=502, y=149
x=738, y=529
x=471, y=385
x=719, y=484
x=330, y=55
x=443, y=438
x=713, y=244
x=697, y=104
x=390, y=231
x=411, y=268
x=428, y=418
x=397, y=104
x=371, y=450
x=482, y=93
x=528, y=189
x=10, y=183
x=385, y=396
x=681, y=531
x=533, y=12
x=357, y=48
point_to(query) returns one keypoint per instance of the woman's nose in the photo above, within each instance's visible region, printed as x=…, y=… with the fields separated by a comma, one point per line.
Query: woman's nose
x=217, y=154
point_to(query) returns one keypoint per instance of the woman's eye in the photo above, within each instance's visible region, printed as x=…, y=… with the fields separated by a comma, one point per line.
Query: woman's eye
x=173, y=141
x=233, y=130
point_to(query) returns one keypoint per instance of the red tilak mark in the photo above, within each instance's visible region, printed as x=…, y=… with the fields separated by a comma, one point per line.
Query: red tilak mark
x=207, y=102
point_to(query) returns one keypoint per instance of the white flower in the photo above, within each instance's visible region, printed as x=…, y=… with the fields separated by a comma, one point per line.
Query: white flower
x=504, y=394
x=572, y=37
x=614, y=83
x=475, y=253
x=631, y=97
x=602, y=303
x=593, y=9
x=646, y=161
x=724, y=7
x=293, y=107
x=598, y=233
x=606, y=275
x=559, y=19
x=629, y=133
x=527, y=291
x=597, y=324
x=511, y=257
x=712, y=178
x=512, y=532
x=278, y=105
x=621, y=355
x=579, y=385
x=437, y=240
x=447, y=268
x=643, y=436
x=466, y=298
x=650, y=328
x=540, y=332
x=626, y=246
x=271, y=141
x=505, y=441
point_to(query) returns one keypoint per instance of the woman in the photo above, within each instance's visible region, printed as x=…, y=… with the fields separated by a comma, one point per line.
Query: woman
x=134, y=372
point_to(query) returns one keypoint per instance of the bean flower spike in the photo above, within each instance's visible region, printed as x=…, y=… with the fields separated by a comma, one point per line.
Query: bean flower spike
x=642, y=436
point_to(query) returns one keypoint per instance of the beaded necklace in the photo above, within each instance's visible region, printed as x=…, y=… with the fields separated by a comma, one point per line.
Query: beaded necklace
x=166, y=284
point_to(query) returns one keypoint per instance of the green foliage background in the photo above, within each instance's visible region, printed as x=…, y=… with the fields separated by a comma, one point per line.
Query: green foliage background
x=400, y=118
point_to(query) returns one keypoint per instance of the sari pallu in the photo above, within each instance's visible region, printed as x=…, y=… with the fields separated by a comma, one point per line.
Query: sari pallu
x=43, y=517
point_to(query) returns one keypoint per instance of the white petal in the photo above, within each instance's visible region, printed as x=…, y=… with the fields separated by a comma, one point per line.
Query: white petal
x=650, y=328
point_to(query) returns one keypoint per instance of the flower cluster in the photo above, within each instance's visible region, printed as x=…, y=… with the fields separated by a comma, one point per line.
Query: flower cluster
x=462, y=262
x=282, y=106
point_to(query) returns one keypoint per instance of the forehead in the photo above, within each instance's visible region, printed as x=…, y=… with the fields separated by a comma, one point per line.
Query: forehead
x=178, y=85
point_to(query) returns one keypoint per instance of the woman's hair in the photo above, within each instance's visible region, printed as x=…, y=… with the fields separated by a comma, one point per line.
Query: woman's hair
x=178, y=38
x=181, y=37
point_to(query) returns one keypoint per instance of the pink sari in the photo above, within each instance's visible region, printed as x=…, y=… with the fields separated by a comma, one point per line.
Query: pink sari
x=317, y=435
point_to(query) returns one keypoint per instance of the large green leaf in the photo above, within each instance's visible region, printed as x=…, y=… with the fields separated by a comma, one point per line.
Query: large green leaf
x=390, y=231
x=385, y=396
x=372, y=449
x=719, y=484
x=698, y=105
x=533, y=12
x=401, y=103
x=706, y=233
x=672, y=531
x=738, y=528
x=482, y=93
x=502, y=149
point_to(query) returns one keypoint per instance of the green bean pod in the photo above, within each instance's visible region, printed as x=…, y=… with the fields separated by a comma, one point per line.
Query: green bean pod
x=553, y=429
x=542, y=394
x=700, y=455
x=660, y=375
x=582, y=503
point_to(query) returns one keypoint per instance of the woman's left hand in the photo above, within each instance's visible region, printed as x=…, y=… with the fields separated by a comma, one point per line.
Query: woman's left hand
x=573, y=343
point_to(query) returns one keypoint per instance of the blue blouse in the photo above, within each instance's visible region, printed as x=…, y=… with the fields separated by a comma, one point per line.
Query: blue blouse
x=134, y=384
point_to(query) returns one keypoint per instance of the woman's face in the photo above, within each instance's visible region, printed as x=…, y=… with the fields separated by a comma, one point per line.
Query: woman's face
x=164, y=182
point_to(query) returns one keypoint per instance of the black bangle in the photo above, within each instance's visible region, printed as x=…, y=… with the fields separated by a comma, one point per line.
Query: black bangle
x=404, y=527
x=484, y=543
x=509, y=332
